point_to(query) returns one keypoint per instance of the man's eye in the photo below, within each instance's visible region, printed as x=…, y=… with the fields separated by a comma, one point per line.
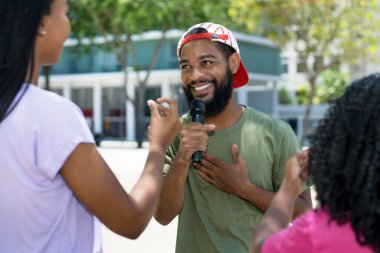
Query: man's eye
x=184, y=67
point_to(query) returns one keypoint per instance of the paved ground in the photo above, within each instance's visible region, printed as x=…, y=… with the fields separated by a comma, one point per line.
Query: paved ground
x=127, y=163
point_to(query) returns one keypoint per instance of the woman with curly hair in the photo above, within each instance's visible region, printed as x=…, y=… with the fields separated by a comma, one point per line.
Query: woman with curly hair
x=345, y=163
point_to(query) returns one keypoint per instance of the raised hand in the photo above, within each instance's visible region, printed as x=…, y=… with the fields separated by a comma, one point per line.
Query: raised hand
x=296, y=172
x=164, y=122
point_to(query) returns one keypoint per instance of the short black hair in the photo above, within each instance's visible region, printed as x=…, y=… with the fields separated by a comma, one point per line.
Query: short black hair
x=345, y=160
x=225, y=49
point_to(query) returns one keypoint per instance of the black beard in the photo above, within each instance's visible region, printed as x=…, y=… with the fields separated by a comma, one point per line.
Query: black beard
x=222, y=94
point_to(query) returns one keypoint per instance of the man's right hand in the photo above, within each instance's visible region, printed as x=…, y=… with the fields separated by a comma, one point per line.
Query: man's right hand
x=193, y=138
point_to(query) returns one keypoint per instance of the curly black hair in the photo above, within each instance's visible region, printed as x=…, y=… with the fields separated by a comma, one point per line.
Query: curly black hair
x=345, y=160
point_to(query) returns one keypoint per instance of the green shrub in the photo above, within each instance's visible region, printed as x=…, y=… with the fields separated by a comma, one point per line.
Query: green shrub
x=284, y=96
x=331, y=85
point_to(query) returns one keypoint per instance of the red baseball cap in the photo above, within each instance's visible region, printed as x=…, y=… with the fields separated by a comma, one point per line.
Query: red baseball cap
x=216, y=32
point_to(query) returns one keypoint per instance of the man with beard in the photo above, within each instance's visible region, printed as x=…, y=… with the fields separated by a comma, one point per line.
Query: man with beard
x=221, y=199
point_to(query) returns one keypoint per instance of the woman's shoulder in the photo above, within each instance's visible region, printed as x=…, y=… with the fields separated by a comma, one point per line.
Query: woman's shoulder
x=45, y=101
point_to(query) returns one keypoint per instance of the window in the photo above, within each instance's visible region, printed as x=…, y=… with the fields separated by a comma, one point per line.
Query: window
x=173, y=59
x=113, y=112
x=284, y=65
x=84, y=99
x=177, y=92
x=301, y=65
x=152, y=92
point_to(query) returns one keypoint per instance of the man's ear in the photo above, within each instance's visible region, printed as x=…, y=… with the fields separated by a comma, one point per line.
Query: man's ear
x=234, y=62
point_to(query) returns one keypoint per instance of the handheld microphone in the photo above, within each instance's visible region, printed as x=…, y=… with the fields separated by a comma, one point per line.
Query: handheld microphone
x=197, y=113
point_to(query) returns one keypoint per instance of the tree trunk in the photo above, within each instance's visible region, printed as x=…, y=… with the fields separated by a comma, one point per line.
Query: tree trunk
x=124, y=66
x=140, y=115
x=309, y=106
x=46, y=71
x=141, y=89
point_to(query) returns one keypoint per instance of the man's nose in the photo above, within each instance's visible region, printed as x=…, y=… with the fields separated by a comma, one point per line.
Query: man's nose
x=196, y=74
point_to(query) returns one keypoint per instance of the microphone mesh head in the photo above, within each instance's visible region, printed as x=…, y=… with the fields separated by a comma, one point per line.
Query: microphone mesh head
x=197, y=107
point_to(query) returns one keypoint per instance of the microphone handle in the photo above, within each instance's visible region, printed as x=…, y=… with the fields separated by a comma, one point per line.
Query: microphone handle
x=200, y=118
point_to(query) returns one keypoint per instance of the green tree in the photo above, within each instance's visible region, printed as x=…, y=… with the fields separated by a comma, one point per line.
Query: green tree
x=333, y=84
x=302, y=94
x=324, y=33
x=117, y=20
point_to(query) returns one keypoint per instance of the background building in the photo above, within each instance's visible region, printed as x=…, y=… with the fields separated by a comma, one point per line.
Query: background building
x=292, y=77
x=95, y=82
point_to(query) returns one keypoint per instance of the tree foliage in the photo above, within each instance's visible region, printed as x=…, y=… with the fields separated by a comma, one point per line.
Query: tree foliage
x=324, y=33
x=117, y=20
x=331, y=86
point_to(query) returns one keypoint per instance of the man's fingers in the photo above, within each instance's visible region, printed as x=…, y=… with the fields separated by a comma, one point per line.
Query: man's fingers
x=211, y=161
x=209, y=127
x=235, y=153
x=206, y=175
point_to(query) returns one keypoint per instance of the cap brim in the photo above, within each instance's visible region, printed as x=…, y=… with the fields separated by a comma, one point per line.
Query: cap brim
x=241, y=77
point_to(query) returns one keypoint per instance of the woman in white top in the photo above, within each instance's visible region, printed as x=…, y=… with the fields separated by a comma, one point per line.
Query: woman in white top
x=53, y=181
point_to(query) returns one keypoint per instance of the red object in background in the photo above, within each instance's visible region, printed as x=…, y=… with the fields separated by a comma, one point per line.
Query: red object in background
x=117, y=112
x=87, y=112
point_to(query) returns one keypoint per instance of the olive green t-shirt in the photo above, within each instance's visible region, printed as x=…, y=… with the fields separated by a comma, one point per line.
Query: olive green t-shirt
x=215, y=221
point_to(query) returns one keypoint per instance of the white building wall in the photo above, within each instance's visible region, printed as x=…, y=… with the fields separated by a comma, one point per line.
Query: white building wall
x=97, y=105
x=166, y=78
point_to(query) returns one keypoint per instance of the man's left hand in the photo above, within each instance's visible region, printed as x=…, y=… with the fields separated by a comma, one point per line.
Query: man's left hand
x=228, y=177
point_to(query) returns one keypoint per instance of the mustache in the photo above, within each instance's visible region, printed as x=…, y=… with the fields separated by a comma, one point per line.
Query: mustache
x=201, y=81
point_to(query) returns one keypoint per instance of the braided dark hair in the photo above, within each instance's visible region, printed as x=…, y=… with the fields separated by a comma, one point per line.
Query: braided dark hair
x=19, y=22
x=345, y=160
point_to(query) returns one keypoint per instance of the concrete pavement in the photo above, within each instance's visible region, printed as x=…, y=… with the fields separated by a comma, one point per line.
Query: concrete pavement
x=127, y=163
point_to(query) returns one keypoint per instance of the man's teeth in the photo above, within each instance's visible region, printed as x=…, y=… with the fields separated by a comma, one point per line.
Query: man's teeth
x=202, y=87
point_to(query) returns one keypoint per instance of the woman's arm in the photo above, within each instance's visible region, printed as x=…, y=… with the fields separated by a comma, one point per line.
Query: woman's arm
x=281, y=209
x=94, y=184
